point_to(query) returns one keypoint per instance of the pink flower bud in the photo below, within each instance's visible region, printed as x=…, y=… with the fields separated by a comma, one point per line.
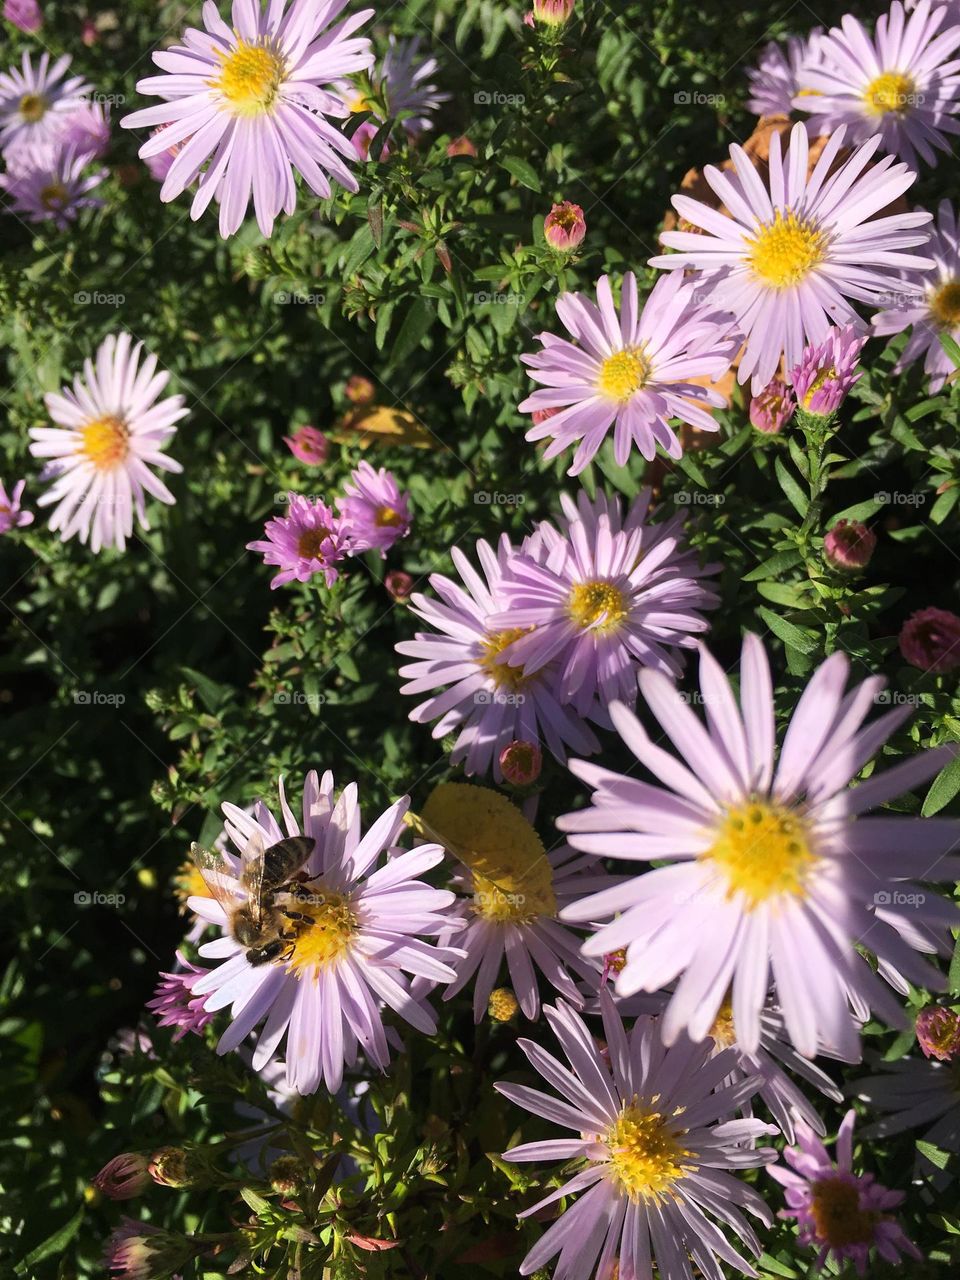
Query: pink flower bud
x=565, y=226
x=360, y=390
x=398, y=584
x=772, y=409
x=827, y=372
x=541, y=415
x=848, y=546
x=308, y=445
x=123, y=1177
x=461, y=146
x=930, y=640
x=24, y=14
x=89, y=33
x=938, y=1033
x=521, y=762
x=553, y=13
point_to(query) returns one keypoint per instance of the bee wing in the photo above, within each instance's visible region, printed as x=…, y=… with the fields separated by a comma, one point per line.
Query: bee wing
x=253, y=868
x=217, y=874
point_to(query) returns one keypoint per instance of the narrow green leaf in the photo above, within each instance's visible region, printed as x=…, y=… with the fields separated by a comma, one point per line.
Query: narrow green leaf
x=416, y=324
x=795, y=495
x=788, y=632
x=56, y=1243
x=943, y=788
x=523, y=171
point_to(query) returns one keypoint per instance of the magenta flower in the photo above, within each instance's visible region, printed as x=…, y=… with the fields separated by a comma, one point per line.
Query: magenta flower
x=633, y=371
x=11, y=515
x=35, y=104
x=839, y=1212
x=773, y=407
x=938, y=1033
x=251, y=100
x=374, y=514
x=930, y=640
x=309, y=539
x=780, y=75
x=657, y=1154
x=489, y=702
x=112, y=427
x=521, y=763
x=827, y=371
x=174, y=1003
x=25, y=14
x=768, y=864
x=930, y=303
x=793, y=250
x=55, y=190
x=564, y=226
x=308, y=445
x=602, y=600
x=356, y=928
x=124, y=1177
x=903, y=84
x=849, y=546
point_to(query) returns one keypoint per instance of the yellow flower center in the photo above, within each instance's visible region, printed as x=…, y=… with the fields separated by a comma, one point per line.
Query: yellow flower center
x=646, y=1155
x=945, y=305
x=519, y=901
x=623, y=374
x=388, y=517
x=504, y=676
x=786, y=250
x=597, y=606
x=763, y=851
x=53, y=196
x=190, y=883
x=360, y=102
x=722, y=1033
x=250, y=78
x=892, y=91
x=837, y=1215
x=105, y=442
x=310, y=543
x=502, y=1004
x=325, y=931
x=33, y=107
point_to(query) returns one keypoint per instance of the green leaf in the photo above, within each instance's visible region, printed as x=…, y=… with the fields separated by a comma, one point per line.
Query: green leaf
x=358, y=251
x=954, y=977
x=943, y=788
x=787, y=632
x=56, y=1243
x=936, y=1157
x=523, y=171
x=212, y=694
x=778, y=563
x=949, y=345
x=416, y=324
x=797, y=498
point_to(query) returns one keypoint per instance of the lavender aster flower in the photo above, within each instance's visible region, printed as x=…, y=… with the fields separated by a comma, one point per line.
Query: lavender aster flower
x=633, y=371
x=903, y=84
x=55, y=189
x=603, y=600
x=112, y=428
x=841, y=1213
x=791, y=252
x=87, y=130
x=374, y=514
x=309, y=539
x=35, y=102
x=250, y=98
x=781, y=74
x=769, y=865
x=827, y=371
x=930, y=303
x=405, y=80
x=912, y=1092
x=659, y=1154
x=354, y=931
x=11, y=515
x=489, y=702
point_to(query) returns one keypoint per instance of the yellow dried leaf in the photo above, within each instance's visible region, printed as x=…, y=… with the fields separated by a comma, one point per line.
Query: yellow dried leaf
x=382, y=427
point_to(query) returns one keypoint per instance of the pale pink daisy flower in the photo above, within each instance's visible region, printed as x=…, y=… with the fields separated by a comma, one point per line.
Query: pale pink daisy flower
x=791, y=252
x=355, y=925
x=780, y=74
x=769, y=865
x=930, y=303
x=403, y=81
x=374, y=513
x=632, y=371
x=489, y=703
x=913, y=1092
x=844, y=1215
x=827, y=370
x=309, y=539
x=35, y=103
x=658, y=1153
x=55, y=189
x=112, y=428
x=603, y=600
x=87, y=130
x=250, y=98
x=11, y=514
x=903, y=84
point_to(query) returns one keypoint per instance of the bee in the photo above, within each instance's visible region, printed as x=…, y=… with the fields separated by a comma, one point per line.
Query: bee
x=255, y=916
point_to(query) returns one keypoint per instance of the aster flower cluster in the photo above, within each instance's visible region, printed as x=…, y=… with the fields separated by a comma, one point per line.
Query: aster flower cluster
x=52, y=133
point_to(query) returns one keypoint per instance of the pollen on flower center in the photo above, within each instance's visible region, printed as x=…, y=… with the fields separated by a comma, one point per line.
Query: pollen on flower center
x=105, y=442
x=325, y=927
x=892, y=91
x=836, y=1212
x=388, y=518
x=310, y=543
x=521, y=903
x=598, y=606
x=623, y=374
x=33, y=107
x=786, y=250
x=504, y=676
x=945, y=304
x=53, y=196
x=723, y=1033
x=646, y=1155
x=763, y=851
x=250, y=78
